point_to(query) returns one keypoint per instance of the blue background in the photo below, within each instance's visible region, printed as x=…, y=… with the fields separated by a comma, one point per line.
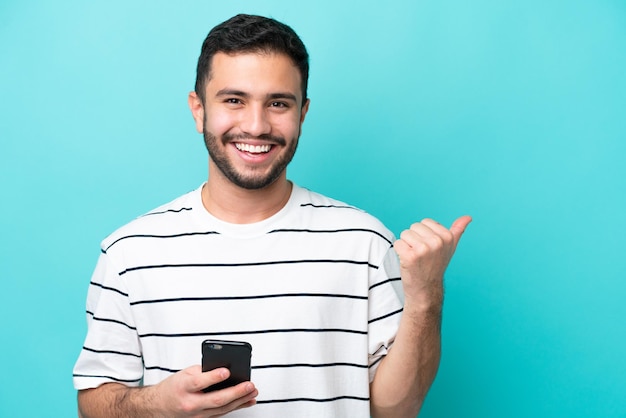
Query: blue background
x=513, y=112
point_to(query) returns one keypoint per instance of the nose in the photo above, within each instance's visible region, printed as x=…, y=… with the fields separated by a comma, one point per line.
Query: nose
x=255, y=121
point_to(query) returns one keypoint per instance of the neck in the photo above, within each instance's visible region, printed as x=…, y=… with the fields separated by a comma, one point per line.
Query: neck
x=233, y=204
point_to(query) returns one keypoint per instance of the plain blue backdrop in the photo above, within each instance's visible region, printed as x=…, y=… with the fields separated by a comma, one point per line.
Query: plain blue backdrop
x=511, y=111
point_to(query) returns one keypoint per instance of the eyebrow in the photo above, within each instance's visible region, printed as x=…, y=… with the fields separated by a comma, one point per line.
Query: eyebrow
x=287, y=96
x=271, y=96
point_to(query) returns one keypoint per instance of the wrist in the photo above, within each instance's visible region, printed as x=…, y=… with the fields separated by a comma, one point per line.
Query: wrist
x=140, y=402
x=423, y=315
x=426, y=302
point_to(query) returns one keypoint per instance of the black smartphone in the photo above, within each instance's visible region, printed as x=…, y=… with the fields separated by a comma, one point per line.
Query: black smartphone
x=234, y=355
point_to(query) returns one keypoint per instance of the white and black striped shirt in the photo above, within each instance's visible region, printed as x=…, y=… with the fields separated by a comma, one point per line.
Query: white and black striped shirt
x=312, y=288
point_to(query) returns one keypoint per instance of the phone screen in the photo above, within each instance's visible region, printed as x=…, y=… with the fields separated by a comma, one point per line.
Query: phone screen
x=234, y=355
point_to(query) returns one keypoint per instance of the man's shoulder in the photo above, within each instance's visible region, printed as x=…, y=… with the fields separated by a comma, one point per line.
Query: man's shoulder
x=162, y=220
x=337, y=213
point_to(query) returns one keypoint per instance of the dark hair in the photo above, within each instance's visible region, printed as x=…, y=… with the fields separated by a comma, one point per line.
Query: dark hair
x=247, y=33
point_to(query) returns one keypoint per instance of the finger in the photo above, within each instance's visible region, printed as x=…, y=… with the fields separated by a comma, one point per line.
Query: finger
x=402, y=248
x=436, y=227
x=424, y=228
x=246, y=393
x=427, y=232
x=458, y=227
x=248, y=404
x=412, y=238
x=203, y=380
x=416, y=234
x=229, y=399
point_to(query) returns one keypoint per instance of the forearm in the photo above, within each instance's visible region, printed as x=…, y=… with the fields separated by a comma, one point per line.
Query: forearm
x=405, y=375
x=114, y=400
x=179, y=395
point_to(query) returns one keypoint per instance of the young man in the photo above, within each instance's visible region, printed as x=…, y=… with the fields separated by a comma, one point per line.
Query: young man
x=307, y=280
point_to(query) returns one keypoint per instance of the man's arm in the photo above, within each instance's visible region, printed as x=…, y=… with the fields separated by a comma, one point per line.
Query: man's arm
x=180, y=395
x=404, y=376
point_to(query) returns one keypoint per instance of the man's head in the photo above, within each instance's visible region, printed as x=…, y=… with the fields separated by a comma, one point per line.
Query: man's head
x=251, y=34
x=250, y=100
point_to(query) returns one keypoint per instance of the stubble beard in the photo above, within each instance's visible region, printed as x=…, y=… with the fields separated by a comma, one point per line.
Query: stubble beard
x=252, y=181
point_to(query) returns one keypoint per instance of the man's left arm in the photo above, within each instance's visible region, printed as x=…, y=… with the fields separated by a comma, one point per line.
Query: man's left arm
x=404, y=376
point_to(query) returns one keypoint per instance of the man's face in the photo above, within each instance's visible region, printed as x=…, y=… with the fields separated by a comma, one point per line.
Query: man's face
x=252, y=116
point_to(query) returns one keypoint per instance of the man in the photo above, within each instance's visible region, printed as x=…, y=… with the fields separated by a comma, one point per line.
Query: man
x=307, y=280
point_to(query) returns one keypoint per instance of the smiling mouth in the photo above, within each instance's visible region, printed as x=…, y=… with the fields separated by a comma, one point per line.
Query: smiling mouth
x=253, y=149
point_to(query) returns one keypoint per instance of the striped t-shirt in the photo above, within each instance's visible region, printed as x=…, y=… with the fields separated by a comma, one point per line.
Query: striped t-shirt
x=312, y=289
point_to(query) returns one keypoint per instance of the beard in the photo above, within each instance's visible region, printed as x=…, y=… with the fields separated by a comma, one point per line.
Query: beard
x=254, y=180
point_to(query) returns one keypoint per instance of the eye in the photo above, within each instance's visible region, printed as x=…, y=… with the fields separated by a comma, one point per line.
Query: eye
x=233, y=100
x=280, y=105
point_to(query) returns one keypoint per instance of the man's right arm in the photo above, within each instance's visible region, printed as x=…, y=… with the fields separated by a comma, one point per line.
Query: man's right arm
x=180, y=395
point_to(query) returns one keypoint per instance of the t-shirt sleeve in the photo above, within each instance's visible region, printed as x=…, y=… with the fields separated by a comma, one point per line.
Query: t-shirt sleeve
x=385, y=309
x=111, y=352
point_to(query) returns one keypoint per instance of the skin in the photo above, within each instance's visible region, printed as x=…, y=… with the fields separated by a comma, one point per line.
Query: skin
x=407, y=372
x=251, y=99
x=177, y=396
x=254, y=100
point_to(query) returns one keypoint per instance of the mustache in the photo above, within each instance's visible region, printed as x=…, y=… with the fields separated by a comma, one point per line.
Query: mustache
x=265, y=137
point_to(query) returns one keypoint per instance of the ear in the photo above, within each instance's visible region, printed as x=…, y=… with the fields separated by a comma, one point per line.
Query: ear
x=305, y=109
x=197, y=110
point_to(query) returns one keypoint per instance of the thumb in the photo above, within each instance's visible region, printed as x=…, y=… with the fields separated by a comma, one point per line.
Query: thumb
x=458, y=227
x=197, y=380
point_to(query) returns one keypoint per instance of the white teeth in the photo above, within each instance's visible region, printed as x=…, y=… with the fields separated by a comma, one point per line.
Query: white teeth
x=253, y=149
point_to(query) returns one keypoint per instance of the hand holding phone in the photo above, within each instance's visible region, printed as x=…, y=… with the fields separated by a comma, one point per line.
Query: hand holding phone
x=233, y=355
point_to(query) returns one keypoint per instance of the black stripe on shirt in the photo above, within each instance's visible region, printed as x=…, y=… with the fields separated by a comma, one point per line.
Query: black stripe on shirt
x=182, y=234
x=267, y=331
x=318, y=400
x=376, y=361
x=331, y=231
x=391, y=279
x=121, y=353
x=167, y=211
x=284, y=366
x=382, y=346
x=108, y=288
x=164, y=369
x=115, y=321
x=97, y=376
x=385, y=316
x=302, y=205
x=280, y=295
x=259, y=263
x=274, y=366
x=386, y=347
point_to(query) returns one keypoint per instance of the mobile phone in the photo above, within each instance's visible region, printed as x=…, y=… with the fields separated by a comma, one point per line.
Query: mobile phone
x=234, y=355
